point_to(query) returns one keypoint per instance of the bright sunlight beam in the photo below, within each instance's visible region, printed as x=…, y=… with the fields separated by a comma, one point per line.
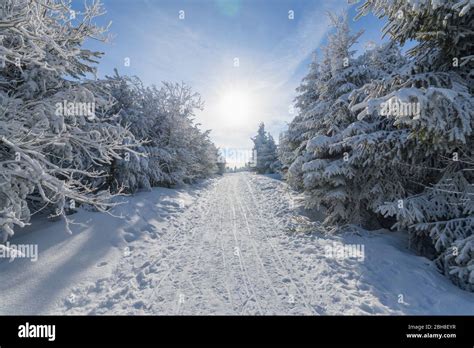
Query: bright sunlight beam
x=236, y=107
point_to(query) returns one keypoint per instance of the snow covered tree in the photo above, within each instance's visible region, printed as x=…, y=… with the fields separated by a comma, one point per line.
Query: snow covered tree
x=272, y=150
x=300, y=128
x=266, y=152
x=66, y=140
x=327, y=174
x=346, y=181
x=423, y=144
x=285, y=153
x=175, y=149
x=181, y=136
x=51, y=126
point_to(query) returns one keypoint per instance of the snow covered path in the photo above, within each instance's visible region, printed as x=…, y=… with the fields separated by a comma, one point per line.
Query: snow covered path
x=222, y=256
x=231, y=253
x=236, y=246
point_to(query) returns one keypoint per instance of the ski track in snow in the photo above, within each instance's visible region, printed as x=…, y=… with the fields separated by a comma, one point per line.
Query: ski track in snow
x=231, y=254
x=234, y=250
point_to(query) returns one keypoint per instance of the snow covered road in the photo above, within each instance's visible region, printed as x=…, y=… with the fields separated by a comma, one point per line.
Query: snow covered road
x=237, y=246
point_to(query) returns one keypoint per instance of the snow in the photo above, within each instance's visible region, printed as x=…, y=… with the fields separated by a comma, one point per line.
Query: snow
x=93, y=250
x=237, y=244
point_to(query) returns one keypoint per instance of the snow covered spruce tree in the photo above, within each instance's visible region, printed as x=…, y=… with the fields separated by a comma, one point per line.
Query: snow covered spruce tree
x=52, y=130
x=338, y=169
x=328, y=177
x=266, y=161
x=285, y=153
x=314, y=138
x=420, y=142
x=293, y=143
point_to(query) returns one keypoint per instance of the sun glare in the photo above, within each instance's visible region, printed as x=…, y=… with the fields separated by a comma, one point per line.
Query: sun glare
x=236, y=107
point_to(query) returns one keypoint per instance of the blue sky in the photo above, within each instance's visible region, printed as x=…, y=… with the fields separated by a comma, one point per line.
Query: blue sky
x=273, y=53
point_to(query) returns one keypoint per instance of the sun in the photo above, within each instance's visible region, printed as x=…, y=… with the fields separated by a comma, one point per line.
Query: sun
x=236, y=107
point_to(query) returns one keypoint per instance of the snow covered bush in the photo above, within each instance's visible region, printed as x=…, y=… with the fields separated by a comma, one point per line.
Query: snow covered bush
x=175, y=149
x=50, y=130
x=66, y=140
